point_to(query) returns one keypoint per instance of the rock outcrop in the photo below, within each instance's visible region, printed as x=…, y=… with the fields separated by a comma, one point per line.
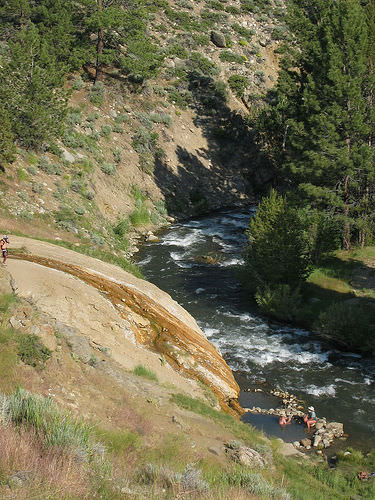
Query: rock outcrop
x=155, y=320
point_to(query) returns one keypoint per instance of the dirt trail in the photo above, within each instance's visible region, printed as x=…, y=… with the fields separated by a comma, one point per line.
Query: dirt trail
x=140, y=312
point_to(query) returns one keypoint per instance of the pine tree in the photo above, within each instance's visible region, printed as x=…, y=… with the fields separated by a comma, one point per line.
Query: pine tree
x=277, y=249
x=318, y=128
x=31, y=89
x=7, y=147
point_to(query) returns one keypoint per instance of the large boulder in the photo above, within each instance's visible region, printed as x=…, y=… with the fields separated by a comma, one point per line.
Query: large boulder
x=245, y=455
x=336, y=428
x=218, y=39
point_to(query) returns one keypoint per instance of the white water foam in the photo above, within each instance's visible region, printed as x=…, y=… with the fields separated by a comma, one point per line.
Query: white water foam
x=184, y=240
x=232, y=262
x=145, y=261
x=210, y=331
x=200, y=290
x=328, y=390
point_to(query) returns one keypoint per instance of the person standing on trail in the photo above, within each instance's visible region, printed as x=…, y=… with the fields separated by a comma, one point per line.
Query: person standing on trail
x=4, y=242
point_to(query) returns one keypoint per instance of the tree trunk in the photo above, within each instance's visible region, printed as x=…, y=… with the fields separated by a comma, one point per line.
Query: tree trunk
x=346, y=212
x=99, y=49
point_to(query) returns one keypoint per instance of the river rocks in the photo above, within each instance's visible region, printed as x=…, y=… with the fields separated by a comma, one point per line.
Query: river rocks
x=337, y=428
x=306, y=442
x=151, y=238
x=68, y=156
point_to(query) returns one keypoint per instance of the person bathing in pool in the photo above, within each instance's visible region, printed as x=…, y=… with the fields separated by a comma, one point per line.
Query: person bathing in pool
x=284, y=420
x=310, y=418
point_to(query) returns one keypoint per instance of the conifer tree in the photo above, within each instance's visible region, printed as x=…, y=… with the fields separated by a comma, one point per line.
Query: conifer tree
x=319, y=126
x=277, y=248
x=31, y=89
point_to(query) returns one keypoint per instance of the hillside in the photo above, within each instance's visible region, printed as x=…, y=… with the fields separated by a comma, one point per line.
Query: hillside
x=132, y=157
x=110, y=415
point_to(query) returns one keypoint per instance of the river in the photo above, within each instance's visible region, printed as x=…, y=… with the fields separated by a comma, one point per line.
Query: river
x=260, y=352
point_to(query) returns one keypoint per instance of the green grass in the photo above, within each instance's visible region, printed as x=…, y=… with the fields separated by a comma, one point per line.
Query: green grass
x=53, y=426
x=6, y=301
x=91, y=251
x=242, y=431
x=306, y=481
x=140, y=216
x=142, y=371
x=117, y=441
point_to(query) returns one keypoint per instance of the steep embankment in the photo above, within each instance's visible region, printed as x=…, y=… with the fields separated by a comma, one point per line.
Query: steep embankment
x=113, y=309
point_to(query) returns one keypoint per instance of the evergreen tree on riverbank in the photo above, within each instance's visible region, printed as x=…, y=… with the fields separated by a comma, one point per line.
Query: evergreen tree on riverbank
x=319, y=128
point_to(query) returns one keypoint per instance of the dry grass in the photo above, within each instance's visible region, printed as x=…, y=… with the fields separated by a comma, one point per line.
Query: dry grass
x=52, y=472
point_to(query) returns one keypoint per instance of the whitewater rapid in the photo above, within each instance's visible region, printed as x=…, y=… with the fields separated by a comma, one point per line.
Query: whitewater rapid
x=340, y=385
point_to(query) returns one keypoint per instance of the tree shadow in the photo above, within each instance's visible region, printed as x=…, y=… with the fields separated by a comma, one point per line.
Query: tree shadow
x=230, y=171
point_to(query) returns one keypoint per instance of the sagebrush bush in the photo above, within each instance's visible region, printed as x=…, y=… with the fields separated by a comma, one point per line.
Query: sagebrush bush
x=108, y=168
x=161, y=118
x=78, y=83
x=97, y=93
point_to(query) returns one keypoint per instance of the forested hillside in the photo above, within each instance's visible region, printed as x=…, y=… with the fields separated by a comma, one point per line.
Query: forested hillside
x=118, y=114
x=317, y=128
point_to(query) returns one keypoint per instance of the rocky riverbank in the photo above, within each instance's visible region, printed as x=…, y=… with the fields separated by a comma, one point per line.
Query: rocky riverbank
x=323, y=433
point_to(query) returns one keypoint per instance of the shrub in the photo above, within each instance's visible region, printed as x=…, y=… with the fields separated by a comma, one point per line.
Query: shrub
x=74, y=117
x=117, y=155
x=351, y=327
x=192, y=481
x=118, y=129
x=144, y=141
x=140, y=216
x=78, y=83
x=49, y=423
x=147, y=163
x=229, y=56
x=122, y=118
x=108, y=168
x=203, y=65
x=97, y=93
x=106, y=131
x=161, y=118
x=92, y=117
x=31, y=351
x=32, y=170
x=238, y=84
x=122, y=228
x=142, y=371
x=178, y=51
x=37, y=187
x=180, y=97
x=277, y=249
x=80, y=210
x=242, y=31
x=77, y=186
x=23, y=196
x=280, y=301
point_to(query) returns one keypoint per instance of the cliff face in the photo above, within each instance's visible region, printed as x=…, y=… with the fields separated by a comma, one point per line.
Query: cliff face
x=132, y=313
